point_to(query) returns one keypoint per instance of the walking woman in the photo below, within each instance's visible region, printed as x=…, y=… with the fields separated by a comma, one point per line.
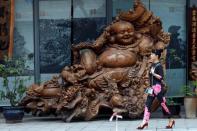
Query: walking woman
x=156, y=91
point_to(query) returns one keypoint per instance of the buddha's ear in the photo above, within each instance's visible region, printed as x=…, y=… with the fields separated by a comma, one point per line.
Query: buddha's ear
x=138, y=35
x=110, y=36
x=112, y=39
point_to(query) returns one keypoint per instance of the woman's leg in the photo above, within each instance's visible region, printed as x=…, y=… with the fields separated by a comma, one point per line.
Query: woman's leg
x=160, y=96
x=146, y=118
x=147, y=108
x=162, y=101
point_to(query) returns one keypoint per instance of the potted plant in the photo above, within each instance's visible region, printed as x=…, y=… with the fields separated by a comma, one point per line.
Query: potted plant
x=190, y=100
x=12, y=88
x=173, y=106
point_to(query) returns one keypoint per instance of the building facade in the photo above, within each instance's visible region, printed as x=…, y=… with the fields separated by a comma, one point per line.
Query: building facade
x=45, y=30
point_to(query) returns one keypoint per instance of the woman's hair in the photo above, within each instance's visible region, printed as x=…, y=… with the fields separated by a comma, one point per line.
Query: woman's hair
x=157, y=52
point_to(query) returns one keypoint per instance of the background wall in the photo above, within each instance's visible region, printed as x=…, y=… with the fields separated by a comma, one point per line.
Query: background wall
x=59, y=27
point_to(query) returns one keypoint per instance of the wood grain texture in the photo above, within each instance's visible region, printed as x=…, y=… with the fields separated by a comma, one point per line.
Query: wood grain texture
x=11, y=30
x=112, y=73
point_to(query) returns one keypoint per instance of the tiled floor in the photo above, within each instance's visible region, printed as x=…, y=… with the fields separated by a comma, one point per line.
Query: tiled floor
x=51, y=124
x=157, y=123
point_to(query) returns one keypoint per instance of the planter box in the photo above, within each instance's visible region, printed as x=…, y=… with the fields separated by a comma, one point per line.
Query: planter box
x=190, y=104
x=13, y=114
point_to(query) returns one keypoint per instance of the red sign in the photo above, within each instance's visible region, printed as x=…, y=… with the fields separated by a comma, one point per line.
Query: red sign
x=192, y=43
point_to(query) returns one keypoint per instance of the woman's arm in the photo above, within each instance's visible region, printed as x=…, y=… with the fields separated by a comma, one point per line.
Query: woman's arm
x=157, y=76
x=158, y=73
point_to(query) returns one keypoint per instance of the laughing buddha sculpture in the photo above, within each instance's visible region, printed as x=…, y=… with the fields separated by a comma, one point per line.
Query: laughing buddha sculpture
x=110, y=73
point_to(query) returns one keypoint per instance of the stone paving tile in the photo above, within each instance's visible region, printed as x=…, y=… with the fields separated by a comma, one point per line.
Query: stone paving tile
x=192, y=129
x=191, y=123
x=164, y=130
x=180, y=129
x=5, y=130
x=143, y=130
x=97, y=125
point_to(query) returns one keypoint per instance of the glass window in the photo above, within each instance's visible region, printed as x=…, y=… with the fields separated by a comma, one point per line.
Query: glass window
x=125, y=5
x=55, y=32
x=89, y=19
x=23, y=34
x=173, y=14
x=193, y=2
x=23, y=41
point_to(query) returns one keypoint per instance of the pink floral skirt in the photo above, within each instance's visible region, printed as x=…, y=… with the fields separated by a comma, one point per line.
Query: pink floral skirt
x=156, y=89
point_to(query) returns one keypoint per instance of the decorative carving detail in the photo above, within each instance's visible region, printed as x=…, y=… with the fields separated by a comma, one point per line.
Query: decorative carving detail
x=111, y=72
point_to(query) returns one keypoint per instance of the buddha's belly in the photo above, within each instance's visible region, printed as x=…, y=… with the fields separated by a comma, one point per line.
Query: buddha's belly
x=117, y=58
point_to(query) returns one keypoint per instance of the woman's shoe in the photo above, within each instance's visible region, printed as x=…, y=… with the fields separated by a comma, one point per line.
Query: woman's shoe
x=143, y=126
x=170, y=125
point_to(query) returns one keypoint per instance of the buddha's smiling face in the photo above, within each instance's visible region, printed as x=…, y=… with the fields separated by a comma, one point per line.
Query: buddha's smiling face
x=123, y=33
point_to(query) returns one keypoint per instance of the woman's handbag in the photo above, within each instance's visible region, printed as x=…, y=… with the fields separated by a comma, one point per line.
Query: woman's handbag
x=149, y=90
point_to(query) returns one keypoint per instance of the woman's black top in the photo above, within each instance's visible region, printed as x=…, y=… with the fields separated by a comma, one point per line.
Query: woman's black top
x=158, y=70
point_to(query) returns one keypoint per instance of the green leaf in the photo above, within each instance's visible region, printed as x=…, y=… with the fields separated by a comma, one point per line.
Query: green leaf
x=13, y=67
x=187, y=90
x=194, y=83
x=5, y=82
